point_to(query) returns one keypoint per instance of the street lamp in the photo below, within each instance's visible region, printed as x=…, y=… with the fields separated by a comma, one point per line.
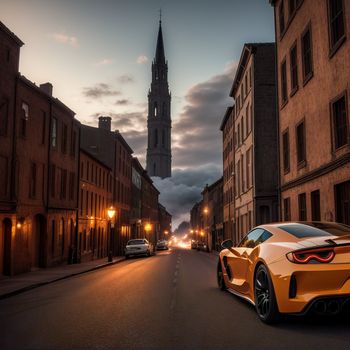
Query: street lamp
x=111, y=214
x=206, y=212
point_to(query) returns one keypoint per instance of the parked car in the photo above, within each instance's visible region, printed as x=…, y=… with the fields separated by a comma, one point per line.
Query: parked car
x=295, y=268
x=138, y=247
x=162, y=244
x=194, y=244
x=202, y=246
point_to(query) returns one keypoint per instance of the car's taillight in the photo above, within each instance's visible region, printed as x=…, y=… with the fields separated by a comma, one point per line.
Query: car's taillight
x=321, y=255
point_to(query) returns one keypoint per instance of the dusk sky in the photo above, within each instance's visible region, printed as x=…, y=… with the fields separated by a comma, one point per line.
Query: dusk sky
x=98, y=55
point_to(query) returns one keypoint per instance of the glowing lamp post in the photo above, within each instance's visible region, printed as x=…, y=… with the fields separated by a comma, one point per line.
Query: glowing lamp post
x=206, y=212
x=111, y=214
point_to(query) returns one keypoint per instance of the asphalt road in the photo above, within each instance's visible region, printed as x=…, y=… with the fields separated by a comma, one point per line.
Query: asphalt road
x=167, y=301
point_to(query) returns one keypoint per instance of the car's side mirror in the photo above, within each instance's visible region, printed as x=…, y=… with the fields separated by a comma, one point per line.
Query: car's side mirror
x=227, y=244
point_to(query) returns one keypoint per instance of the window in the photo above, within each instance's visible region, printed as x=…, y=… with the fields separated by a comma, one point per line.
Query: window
x=247, y=124
x=155, y=109
x=286, y=160
x=246, y=84
x=281, y=17
x=54, y=133
x=53, y=236
x=340, y=126
x=315, y=206
x=71, y=185
x=306, y=53
x=163, y=138
x=53, y=180
x=4, y=110
x=248, y=167
x=302, y=206
x=24, y=119
x=286, y=209
x=63, y=183
x=43, y=130
x=293, y=68
x=64, y=138
x=292, y=7
x=284, y=81
x=32, y=184
x=301, y=150
x=342, y=198
x=254, y=238
x=336, y=23
x=73, y=143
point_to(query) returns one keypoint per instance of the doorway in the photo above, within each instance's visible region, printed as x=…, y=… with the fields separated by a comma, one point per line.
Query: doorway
x=7, y=233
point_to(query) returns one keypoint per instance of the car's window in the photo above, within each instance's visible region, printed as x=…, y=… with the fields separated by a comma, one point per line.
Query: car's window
x=136, y=241
x=316, y=229
x=250, y=240
x=263, y=237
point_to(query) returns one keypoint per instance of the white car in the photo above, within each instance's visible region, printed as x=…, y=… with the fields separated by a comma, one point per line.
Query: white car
x=138, y=247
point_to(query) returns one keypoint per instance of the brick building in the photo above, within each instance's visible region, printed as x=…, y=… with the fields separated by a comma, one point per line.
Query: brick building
x=164, y=219
x=136, y=197
x=95, y=197
x=255, y=139
x=111, y=149
x=149, y=209
x=197, y=221
x=212, y=214
x=227, y=127
x=39, y=140
x=313, y=53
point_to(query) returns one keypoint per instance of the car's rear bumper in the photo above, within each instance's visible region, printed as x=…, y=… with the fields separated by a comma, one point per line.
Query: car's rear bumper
x=299, y=286
x=136, y=252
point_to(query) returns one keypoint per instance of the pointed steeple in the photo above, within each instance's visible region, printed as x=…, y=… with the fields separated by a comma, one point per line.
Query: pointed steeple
x=160, y=56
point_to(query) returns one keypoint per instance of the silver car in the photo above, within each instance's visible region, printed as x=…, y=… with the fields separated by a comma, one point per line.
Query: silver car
x=138, y=247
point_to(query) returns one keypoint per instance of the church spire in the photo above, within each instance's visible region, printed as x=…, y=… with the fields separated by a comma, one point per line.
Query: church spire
x=160, y=56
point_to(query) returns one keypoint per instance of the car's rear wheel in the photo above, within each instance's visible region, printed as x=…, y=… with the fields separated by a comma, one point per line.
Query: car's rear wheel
x=265, y=299
x=220, y=277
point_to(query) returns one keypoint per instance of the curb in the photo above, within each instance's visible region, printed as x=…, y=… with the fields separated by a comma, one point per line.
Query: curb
x=40, y=284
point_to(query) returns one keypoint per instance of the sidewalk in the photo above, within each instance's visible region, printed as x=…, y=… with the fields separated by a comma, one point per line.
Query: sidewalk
x=10, y=286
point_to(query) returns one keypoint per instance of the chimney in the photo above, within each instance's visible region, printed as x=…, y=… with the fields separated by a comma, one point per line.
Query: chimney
x=104, y=123
x=47, y=88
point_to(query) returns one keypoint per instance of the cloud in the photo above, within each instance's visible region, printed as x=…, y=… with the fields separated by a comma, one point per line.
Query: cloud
x=180, y=192
x=104, y=62
x=122, y=102
x=125, y=79
x=65, y=39
x=142, y=59
x=196, y=135
x=100, y=90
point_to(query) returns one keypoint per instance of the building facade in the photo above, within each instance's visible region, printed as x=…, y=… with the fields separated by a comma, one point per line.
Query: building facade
x=164, y=218
x=255, y=139
x=39, y=139
x=136, y=197
x=227, y=127
x=149, y=209
x=212, y=214
x=159, y=119
x=95, y=197
x=111, y=149
x=312, y=40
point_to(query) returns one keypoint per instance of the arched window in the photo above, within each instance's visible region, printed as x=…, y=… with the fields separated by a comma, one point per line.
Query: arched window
x=155, y=109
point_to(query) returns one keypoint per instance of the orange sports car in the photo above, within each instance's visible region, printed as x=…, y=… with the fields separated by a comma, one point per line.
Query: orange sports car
x=290, y=268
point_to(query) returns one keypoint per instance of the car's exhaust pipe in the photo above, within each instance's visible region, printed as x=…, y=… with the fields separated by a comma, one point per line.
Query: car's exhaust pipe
x=333, y=307
x=320, y=307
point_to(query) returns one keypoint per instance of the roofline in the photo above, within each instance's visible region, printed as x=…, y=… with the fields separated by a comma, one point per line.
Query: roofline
x=226, y=116
x=12, y=35
x=44, y=94
x=248, y=49
x=126, y=145
x=94, y=158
